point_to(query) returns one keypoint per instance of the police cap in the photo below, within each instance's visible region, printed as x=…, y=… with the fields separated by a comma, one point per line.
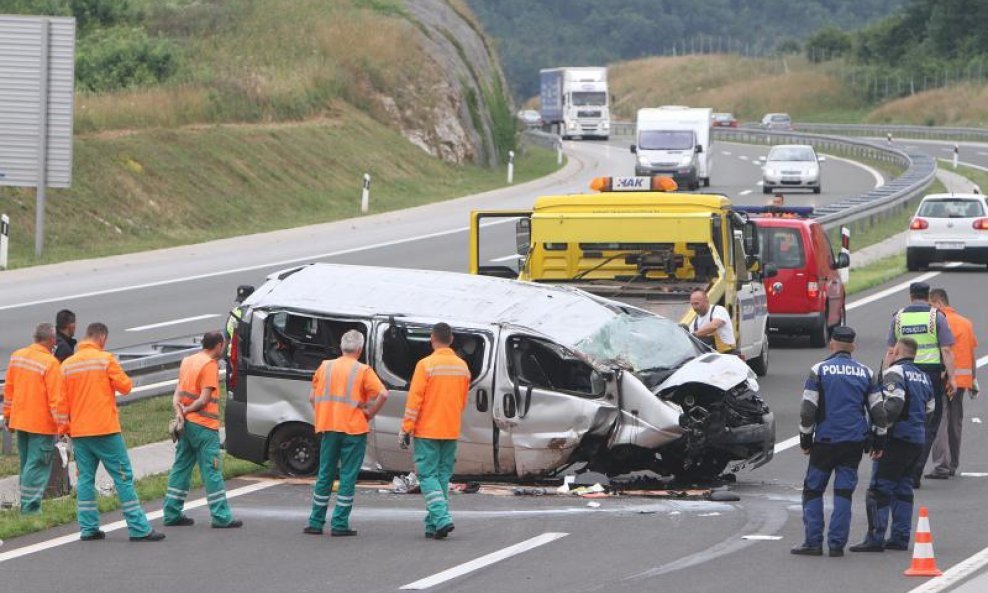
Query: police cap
x=842, y=333
x=919, y=289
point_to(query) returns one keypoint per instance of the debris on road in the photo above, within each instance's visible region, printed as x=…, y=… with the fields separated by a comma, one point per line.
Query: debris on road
x=593, y=505
x=408, y=484
x=467, y=488
x=976, y=420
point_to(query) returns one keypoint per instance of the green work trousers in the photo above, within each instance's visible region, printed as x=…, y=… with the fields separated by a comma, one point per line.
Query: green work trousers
x=109, y=450
x=434, y=460
x=35, y=452
x=198, y=445
x=343, y=454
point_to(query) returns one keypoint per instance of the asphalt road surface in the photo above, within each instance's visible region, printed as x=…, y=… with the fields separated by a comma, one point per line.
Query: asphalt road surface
x=558, y=544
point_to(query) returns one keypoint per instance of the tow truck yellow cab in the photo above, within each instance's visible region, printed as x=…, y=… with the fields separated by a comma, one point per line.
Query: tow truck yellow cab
x=631, y=243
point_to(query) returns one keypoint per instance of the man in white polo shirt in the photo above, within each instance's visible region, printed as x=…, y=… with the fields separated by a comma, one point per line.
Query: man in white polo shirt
x=712, y=324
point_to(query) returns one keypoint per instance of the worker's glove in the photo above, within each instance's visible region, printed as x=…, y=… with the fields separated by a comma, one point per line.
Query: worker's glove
x=404, y=439
x=175, y=428
x=878, y=443
x=975, y=390
x=805, y=441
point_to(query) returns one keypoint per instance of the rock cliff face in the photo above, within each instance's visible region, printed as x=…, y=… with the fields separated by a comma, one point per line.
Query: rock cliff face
x=457, y=107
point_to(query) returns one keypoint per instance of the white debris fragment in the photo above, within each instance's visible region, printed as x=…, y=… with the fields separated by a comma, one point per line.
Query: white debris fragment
x=976, y=420
x=758, y=537
x=974, y=475
x=593, y=504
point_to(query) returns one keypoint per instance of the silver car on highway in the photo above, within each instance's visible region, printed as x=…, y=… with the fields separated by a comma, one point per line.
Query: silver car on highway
x=792, y=166
x=560, y=377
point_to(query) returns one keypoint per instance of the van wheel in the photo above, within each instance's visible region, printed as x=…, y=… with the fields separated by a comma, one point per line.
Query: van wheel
x=819, y=336
x=817, y=189
x=707, y=469
x=294, y=449
x=913, y=262
x=766, y=189
x=706, y=182
x=760, y=364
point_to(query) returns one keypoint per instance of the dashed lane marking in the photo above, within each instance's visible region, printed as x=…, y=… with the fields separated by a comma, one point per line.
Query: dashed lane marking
x=141, y=328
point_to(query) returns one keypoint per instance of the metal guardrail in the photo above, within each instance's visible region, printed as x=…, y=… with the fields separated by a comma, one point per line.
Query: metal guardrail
x=890, y=199
x=898, y=131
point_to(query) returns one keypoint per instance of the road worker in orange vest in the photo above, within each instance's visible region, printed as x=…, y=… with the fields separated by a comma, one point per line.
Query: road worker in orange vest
x=93, y=377
x=346, y=394
x=436, y=399
x=197, y=411
x=31, y=395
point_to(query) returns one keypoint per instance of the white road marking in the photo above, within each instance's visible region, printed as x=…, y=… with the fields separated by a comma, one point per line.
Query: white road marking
x=954, y=574
x=786, y=444
x=965, y=164
x=983, y=153
x=67, y=539
x=760, y=183
x=742, y=157
x=484, y=561
x=744, y=192
x=506, y=258
x=879, y=178
x=982, y=361
x=897, y=288
x=141, y=328
x=277, y=264
x=726, y=152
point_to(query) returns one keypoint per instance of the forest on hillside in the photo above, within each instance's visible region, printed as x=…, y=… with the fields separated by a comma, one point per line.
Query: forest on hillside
x=547, y=33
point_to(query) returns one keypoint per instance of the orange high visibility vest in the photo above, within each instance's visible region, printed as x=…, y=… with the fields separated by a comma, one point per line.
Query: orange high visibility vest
x=965, y=342
x=32, y=391
x=340, y=389
x=196, y=373
x=92, y=380
x=437, y=396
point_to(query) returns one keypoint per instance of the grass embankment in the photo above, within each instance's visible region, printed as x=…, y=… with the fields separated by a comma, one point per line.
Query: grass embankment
x=162, y=188
x=61, y=511
x=752, y=87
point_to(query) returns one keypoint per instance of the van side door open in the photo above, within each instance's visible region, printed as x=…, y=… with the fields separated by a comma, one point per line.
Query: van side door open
x=547, y=402
x=498, y=251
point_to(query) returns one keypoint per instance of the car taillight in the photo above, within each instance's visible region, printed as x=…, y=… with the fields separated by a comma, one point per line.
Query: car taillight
x=981, y=224
x=918, y=224
x=231, y=382
x=812, y=289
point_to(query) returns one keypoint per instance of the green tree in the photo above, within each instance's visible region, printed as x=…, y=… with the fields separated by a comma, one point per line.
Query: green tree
x=827, y=43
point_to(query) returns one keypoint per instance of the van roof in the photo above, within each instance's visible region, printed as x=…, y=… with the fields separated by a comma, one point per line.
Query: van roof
x=562, y=313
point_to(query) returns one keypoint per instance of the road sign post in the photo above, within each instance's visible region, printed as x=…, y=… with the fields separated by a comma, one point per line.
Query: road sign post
x=365, y=195
x=4, y=240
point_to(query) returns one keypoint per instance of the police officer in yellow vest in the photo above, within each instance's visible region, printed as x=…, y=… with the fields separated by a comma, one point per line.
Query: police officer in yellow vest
x=929, y=328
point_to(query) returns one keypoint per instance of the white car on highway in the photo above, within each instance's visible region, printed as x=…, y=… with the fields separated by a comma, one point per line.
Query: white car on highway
x=948, y=227
x=791, y=166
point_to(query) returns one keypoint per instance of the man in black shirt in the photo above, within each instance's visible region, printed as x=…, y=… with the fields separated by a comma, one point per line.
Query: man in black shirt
x=64, y=332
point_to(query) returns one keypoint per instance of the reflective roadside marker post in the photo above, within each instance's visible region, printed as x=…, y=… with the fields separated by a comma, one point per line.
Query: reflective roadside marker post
x=365, y=195
x=845, y=247
x=890, y=137
x=4, y=240
x=511, y=167
x=957, y=154
x=559, y=153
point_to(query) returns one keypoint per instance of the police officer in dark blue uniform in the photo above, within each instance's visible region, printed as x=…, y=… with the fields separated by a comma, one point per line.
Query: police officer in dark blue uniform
x=838, y=397
x=909, y=398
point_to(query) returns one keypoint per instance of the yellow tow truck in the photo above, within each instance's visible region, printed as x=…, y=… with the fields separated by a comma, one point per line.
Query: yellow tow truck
x=638, y=242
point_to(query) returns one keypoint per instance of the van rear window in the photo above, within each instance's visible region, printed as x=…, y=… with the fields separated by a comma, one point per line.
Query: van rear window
x=951, y=208
x=782, y=247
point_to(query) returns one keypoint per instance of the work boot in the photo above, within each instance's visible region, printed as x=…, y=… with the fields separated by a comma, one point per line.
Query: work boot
x=443, y=531
x=342, y=532
x=867, y=546
x=836, y=552
x=312, y=530
x=234, y=524
x=430, y=535
x=897, y=546
x=92, y=537
x=806, y=550
x=937, y=476
x=153, y=536
x=182, y=521
x=917, y=483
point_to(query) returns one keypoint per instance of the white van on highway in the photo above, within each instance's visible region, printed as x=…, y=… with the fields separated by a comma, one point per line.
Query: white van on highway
x=559, y=376
x=675, y=141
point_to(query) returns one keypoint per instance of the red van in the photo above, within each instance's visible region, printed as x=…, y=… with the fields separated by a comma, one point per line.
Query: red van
x=807, y=296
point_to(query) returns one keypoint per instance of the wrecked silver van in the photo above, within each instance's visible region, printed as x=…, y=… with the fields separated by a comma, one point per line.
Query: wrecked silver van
x=560, y=377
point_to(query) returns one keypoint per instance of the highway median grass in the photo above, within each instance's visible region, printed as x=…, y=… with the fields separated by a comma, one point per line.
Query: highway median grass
x=876, y=273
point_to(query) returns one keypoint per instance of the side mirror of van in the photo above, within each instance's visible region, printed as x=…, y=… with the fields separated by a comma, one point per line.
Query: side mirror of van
x=699, y=148
x=751, y=243
x=634, y=149
x=770, y=271
x=843, y=260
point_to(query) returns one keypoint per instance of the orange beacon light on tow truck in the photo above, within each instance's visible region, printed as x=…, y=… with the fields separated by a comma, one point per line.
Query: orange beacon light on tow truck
x=655, y=183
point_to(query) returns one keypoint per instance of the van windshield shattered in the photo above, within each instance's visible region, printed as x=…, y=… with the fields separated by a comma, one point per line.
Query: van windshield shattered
x=643, y=342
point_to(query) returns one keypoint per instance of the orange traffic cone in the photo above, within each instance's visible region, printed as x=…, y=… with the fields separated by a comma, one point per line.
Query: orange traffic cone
x=924, y=563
